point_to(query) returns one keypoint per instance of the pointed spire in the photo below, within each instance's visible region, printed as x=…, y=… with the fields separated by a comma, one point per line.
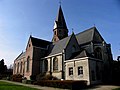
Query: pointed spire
x=60, y=28
x=60, y=21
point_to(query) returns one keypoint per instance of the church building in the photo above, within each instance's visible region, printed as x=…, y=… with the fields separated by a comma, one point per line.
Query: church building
x=82, y=56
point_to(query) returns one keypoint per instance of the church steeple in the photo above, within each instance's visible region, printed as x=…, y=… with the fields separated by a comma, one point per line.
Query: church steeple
x=60, y=28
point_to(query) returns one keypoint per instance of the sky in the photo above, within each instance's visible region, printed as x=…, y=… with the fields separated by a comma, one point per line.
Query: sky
x=21, y=18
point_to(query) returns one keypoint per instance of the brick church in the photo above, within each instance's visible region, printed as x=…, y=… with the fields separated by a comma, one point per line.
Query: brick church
x=82, y=56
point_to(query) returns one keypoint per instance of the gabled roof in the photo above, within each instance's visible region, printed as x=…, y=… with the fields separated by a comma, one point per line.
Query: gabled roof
x=89, y=35
x=39, y=42
x=22, y=55
x=59, y=46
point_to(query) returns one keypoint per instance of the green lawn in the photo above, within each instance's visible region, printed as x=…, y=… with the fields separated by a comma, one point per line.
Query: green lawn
x=117, y=89
x=9, y=86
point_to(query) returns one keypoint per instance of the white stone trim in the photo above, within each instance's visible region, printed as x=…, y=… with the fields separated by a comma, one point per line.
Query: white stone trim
x=82, y=59
x=52, y=55
x=76, y=59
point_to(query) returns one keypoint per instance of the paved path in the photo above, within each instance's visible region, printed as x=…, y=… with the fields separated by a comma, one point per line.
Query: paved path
x=103, y=87
x=34, y=86
x=98, y=87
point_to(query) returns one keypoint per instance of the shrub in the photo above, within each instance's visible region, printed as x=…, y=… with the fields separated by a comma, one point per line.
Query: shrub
x=17, y=77
x=40, y=76
x=43, y=76
x=32, y=77
x=67, y=84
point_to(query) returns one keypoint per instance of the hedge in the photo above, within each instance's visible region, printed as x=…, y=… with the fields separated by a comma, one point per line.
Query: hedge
x=17, y=77
x=66, y=84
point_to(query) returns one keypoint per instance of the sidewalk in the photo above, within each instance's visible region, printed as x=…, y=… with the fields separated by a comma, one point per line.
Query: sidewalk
x=34, y=86
x=103, y=87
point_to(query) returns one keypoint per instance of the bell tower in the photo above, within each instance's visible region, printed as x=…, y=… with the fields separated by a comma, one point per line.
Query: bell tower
x=60, y=28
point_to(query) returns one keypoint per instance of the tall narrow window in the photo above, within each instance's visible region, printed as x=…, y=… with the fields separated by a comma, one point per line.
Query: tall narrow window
x=98, y=53
x=28, y=62
x=24, y=67
x=55, y=32
x=55, y=64
x=70, y=71
x=80, y=70
x=21, y=67
x=18, y=68
x=46, y=65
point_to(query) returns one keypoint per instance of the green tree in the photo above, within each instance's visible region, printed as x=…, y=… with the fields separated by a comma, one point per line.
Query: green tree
x=2, y=67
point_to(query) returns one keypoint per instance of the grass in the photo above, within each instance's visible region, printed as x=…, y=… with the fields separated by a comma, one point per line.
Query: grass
x=116, y=89
x=9, y=86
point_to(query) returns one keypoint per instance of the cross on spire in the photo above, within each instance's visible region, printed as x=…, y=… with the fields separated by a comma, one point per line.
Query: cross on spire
x=60, y=2
x=72, y=30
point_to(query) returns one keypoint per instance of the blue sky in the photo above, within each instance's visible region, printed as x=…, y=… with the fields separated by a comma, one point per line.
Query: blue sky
x=20, y=18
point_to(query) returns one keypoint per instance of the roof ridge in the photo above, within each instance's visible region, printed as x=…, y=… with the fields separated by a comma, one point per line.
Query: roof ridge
x=62, y=39
x=39, y=39
x=20, y=55
x=86, y=30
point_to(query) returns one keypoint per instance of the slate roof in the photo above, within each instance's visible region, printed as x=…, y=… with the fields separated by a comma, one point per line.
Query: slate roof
x=22, y=55
x=39, y=42
x=80, y=54
x=60, y=20
x=59, y=46
x=87, y=36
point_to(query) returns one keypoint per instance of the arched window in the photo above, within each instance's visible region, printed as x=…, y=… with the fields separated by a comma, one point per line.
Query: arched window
x=21, y=67
x=18, y=68
x=46, y=65
x=55, y=64
x=55, y=32
x=98, y=53
x=28, y=62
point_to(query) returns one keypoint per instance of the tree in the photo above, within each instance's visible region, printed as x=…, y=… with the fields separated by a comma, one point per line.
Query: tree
x=2, y=67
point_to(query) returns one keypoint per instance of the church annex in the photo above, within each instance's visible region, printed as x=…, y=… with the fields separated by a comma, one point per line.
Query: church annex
x=82, y=56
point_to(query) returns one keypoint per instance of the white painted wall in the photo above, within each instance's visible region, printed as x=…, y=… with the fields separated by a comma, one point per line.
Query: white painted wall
x=75, y=63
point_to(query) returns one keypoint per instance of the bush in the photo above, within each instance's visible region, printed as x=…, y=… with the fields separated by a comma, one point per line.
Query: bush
x=67, y=84
x=17, y=77
x=49, y=77
x=43, y=76
x=40, y=76
x=32, y=77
